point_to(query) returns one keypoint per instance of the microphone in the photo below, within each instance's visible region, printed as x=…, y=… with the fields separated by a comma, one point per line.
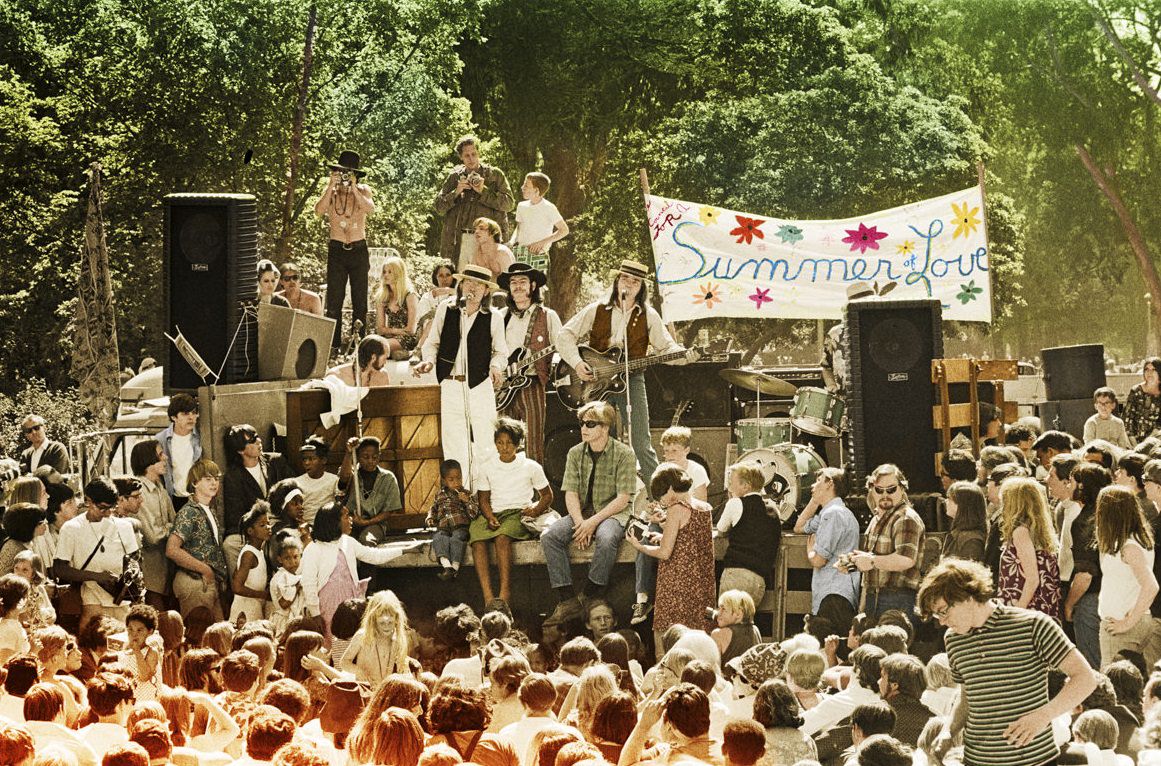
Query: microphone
x=358, y=326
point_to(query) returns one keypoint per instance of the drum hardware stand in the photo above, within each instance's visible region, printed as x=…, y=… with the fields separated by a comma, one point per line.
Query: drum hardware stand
x=627, y=437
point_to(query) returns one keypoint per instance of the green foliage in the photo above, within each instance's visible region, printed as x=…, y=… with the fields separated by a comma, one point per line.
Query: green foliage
x=63, y=410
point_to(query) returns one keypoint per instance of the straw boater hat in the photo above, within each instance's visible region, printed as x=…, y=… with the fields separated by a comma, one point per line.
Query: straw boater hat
x=348, y=161
x=518, y=269
x=860, y=290
x=478, y=273
x=633, y=269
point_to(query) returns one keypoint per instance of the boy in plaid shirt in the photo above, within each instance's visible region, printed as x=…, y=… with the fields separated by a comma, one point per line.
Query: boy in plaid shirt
x=451, y=512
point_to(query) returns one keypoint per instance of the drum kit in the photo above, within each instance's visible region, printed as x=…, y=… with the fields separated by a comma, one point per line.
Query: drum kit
x=768, y=442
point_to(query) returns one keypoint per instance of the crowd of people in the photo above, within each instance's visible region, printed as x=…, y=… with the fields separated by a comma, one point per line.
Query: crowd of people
x=185, y=616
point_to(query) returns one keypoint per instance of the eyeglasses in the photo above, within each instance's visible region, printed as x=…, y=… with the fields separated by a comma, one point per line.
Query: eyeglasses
x=71, y=646
x=884, y=490
x=941, y=614
x=289, y=277
x=252, y=438
x=30, y=429
x=591, y=423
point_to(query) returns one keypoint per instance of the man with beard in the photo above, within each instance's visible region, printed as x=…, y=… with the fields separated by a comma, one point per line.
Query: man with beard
x=530, y=325
x=890, y=565
x=373, y=355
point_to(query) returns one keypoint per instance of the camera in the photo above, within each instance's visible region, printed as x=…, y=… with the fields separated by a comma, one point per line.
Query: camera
x=636, y=528
x=345, y=178
x=474, y=178
x=846, y=563
x=711, y=614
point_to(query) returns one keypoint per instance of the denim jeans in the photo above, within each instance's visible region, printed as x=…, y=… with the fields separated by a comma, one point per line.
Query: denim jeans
x=450, y=545
x=640, y=437
x=886, y=599
x=557, y=539
x=1086, y=626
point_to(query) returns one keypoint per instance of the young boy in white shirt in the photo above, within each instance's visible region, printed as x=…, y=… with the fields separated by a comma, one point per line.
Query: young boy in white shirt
x=538, y=223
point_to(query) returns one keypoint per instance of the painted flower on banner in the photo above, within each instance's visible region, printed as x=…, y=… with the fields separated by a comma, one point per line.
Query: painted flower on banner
x=864, y=238
x=907, y=248
x=707, y=295
x=747, y=229
x=969, y=292
x=789, y=234
x=966, y=221
x=709, y=215
x=760, y=296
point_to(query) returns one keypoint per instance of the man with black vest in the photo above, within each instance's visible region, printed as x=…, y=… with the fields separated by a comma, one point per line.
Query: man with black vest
x=467, y=348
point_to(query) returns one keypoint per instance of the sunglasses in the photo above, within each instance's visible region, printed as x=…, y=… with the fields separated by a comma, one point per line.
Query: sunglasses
x=30, y=429
x=252, y=438
x=591, y=423
x=289, y=277
x=885, y=490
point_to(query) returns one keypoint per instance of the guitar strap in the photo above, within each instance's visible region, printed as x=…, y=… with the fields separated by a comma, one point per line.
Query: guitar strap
x=533, y=314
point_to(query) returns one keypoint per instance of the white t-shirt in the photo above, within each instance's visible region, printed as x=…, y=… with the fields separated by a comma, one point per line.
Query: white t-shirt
x=37, y=454
x=535, y=222
x=256, y=472
x=316, y=493
x=181, y=460
x=78, y=538
x=521, y=734
x=512, y=484
x=697, y=473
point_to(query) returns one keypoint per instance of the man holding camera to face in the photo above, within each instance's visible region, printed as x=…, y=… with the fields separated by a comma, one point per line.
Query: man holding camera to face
x=345, y=204
x=472, y=190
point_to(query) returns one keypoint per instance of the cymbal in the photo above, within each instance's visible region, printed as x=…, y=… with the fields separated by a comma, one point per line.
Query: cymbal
x=760, y=382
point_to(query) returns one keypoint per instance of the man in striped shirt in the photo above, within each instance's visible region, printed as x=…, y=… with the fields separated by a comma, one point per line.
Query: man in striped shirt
x=1000, y=655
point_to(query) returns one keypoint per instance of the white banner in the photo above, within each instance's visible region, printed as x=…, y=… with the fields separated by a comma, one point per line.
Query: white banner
x=720, y=263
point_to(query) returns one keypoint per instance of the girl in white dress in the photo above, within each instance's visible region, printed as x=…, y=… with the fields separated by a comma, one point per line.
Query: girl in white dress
x=251, y=599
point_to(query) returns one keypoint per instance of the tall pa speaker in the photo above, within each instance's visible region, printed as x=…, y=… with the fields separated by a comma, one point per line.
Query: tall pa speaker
x=1073, y=372
x=889, y=391
x=211, y=255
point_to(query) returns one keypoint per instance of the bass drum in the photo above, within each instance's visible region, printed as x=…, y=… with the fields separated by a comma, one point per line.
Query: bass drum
x=789, y=470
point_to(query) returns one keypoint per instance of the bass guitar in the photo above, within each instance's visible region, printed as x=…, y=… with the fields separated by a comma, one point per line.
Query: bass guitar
x=519, y=373
x=609, y=371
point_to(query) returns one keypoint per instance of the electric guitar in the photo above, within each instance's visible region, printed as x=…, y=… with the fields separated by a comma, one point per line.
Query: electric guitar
x=519, y=373
x=609, y=370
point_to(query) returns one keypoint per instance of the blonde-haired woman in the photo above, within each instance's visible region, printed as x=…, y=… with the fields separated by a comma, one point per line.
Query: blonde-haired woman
x=1128, y=586
x=379, y=647
x=1029, y=569
x=397, y=306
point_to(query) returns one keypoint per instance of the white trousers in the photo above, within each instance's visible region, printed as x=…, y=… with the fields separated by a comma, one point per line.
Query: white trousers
x=466, y=420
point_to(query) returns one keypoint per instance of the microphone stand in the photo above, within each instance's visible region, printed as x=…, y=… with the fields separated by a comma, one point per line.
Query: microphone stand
x=358, y=428
x=462, y=354
x=625, y=359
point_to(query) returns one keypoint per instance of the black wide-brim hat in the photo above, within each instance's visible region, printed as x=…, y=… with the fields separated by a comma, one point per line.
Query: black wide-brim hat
x=348, y=161
x=518, y=269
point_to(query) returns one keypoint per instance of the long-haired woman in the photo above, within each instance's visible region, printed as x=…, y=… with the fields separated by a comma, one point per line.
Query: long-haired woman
x=1125, y=543
x=379, y=648
x=396, y=306
x=1088, y=479
x=1029, y=568
x=967, y=507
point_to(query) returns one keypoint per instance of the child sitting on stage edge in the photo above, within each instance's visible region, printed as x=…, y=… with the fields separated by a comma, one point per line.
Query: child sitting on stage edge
x=453, y=509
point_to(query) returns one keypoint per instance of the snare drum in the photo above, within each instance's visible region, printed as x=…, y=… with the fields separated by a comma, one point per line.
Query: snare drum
x=762, y=432
x=792, y=465
x=817, y=411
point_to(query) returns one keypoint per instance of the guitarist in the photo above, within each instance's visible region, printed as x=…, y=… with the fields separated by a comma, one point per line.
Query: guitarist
x=603, y=324
x=530, y=325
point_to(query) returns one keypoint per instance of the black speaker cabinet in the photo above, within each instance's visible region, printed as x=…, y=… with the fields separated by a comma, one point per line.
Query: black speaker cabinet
x=1068, y=415
x=1073, y=372
x=890, y=395
x=211, y=254
x=694, y=390
x=292, y=344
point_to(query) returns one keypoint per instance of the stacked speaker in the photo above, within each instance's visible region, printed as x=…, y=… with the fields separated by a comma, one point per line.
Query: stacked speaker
x=211, y=257
x=890, y=396
x=1071, y=375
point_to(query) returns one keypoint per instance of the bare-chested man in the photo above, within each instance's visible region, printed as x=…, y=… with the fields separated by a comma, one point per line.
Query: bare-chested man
x=373, y=355
x=290, y=279
x=345, y=204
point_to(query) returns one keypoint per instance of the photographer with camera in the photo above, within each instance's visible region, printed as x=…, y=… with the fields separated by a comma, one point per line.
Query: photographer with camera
x=472, y=190
x=95, y=550
x=686, y=590
x=346, y=203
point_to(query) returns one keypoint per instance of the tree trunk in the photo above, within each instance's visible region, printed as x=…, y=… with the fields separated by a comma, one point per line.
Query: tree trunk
x=283, y=246
x=1107, y=184
x=564, y=278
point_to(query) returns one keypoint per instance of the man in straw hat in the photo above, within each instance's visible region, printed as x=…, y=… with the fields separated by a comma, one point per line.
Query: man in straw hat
x=531, y=325
x=346, y=203
x=466, y=346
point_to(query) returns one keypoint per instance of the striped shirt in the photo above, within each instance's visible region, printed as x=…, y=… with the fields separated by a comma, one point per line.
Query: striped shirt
x=1003, y=668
